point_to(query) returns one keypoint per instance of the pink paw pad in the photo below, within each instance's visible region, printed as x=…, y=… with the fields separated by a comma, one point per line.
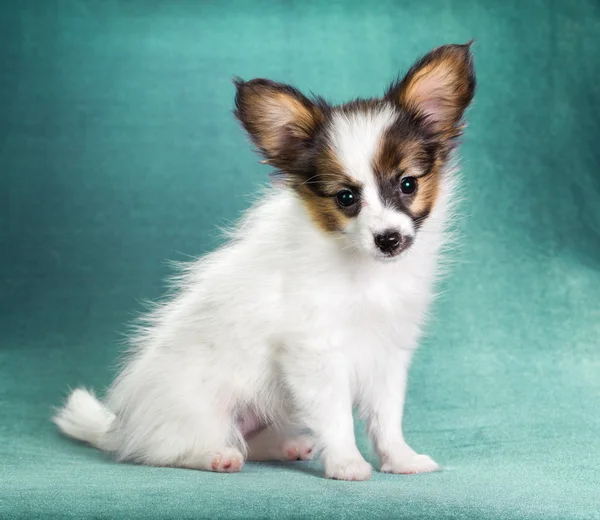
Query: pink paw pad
x=227, y=463
x=300, y=448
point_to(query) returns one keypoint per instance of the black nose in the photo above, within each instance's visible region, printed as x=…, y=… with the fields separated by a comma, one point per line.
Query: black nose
x=388, y=242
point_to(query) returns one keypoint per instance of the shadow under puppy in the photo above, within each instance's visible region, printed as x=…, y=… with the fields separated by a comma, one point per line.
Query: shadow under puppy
x=316, y=303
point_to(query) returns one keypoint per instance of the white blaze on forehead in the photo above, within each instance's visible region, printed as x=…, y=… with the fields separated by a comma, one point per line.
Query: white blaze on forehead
x=355, y=139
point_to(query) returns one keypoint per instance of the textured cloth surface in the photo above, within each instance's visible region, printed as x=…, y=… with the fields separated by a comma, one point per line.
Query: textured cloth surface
x=118, y=151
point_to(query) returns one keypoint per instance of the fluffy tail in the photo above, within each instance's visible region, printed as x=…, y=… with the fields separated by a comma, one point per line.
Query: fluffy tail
x=85, y=418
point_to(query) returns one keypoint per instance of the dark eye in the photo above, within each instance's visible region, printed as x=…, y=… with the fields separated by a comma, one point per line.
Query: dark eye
x=408, y=185
x=346, y=198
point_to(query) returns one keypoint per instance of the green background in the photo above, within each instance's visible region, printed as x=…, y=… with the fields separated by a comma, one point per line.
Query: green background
x=118, y=152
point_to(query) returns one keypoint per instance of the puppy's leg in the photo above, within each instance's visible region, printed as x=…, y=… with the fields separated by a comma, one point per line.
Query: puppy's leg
x=212, y=446
x=222, y=460
x=320, y=386
x=272, y=443
x=383, y=406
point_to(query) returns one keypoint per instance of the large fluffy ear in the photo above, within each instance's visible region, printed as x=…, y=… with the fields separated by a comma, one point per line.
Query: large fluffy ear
x=280, y=120
x=438, y=88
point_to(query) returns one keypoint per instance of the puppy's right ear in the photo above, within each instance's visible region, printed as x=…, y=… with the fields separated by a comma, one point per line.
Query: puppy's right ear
x=279, y=119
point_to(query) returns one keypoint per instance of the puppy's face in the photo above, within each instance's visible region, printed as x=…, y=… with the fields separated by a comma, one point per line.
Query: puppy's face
x=367, y=171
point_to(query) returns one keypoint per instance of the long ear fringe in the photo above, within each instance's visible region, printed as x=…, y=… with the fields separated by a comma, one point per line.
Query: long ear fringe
x=275, y=115
x=438, y=88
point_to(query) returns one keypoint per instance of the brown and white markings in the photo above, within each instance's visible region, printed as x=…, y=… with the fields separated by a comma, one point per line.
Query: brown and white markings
x=384, y=153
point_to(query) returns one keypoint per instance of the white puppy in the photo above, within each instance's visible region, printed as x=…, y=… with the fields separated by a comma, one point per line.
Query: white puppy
x=315, y=305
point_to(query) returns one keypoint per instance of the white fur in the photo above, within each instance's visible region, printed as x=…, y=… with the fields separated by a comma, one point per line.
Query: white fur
x=85, y=418
x=287, y=324
x=356, y=136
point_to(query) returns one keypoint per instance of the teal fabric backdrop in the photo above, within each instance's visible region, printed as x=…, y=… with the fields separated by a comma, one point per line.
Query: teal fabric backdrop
x=118, y=152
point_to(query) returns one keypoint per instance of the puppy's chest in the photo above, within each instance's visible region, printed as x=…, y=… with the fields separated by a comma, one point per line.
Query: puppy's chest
x=361, y=304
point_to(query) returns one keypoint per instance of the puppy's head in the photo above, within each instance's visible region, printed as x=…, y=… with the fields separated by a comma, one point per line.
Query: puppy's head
x=367, y=171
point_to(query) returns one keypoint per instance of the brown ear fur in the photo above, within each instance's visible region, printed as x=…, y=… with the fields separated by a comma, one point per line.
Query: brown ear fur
x=279, y=119
x=438, y=88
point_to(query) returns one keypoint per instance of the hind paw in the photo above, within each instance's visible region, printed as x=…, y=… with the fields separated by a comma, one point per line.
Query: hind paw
x=226, y=460
x=298, y=448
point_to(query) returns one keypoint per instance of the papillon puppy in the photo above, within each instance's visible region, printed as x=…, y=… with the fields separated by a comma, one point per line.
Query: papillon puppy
x=314, y=307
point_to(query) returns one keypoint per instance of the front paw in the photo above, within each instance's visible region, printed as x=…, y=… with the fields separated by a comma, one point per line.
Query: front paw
x=410, y=464
x=355, y=468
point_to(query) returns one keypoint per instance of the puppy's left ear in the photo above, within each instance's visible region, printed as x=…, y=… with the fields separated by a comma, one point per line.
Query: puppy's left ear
x=279, y=119
x=438, y=89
